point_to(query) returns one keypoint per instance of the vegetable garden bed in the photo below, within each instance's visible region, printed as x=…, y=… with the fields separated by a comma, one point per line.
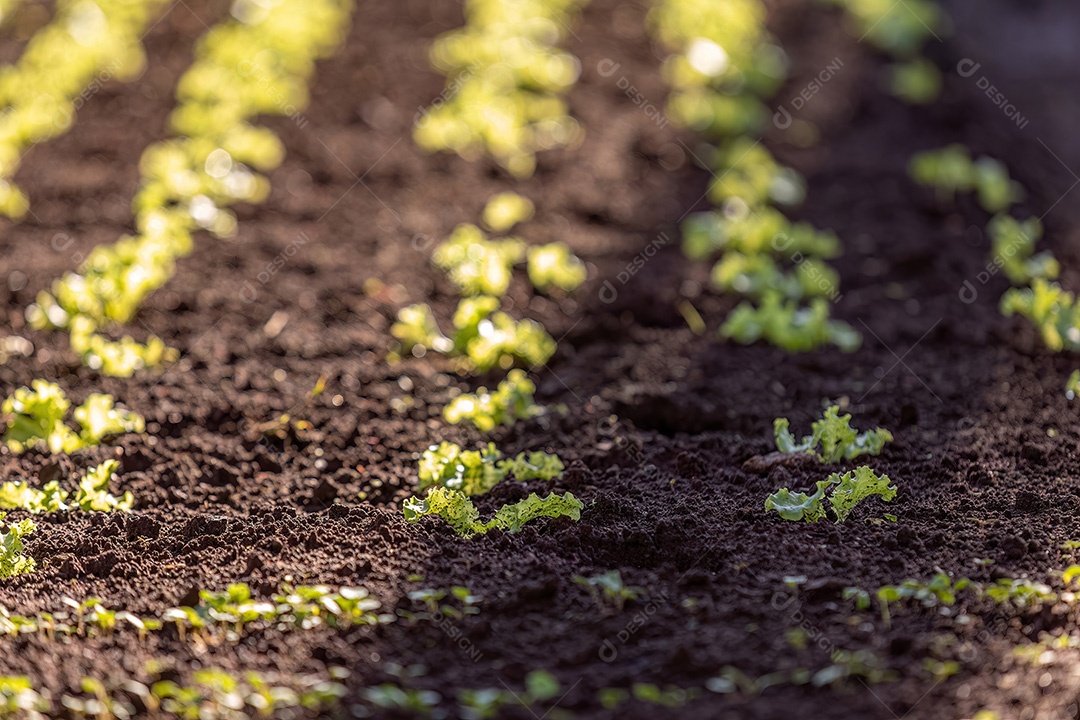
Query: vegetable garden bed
x=278, y=448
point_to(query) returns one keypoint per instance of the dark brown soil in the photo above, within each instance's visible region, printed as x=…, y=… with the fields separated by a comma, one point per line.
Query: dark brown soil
x=659, y=422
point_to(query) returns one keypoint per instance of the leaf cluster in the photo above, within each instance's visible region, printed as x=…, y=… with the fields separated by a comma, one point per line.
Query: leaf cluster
x=831, y=438
x=36, y=418
x=844, y=493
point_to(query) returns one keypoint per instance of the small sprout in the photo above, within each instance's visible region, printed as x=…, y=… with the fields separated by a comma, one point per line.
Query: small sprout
x=479, y=266
x=951, y=170
x=510, y=402
x=916, y=82
x=751, y=174
x=835, y=436
x=459, y=512
x=610, y=585
x=1014, y=248
x=786, y=325
x=671, y=696
x=484, y=337
x=12, y=561
x=861, y=664
x=847, y=491
x=1072, y=385
x=36, y=418
x=898, y=34
x=506, y=210
x=1053, y=311
x=555, y=266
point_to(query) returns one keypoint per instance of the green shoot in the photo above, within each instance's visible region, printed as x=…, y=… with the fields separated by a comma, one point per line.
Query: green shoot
x=555, y=266
x=479, y=266
x=951, y=170
x=1072, y=385
x=900, y=34
x=1053, y=311
x=751, y=174
x=916, y=82
x=12, y=561
x=93, y=494
x=510, y=402
x=1014, y=249
x=37, y=419
x=610, y=585
x=475, y=472
x=835, y=436
x=506, y=210
x=484, y=338
x=470, y=472
x=844, y=493
x=459, y=512
x=785, y=324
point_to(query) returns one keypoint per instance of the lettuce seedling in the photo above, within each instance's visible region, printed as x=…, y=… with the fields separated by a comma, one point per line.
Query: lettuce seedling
x=37, y=418
x=555, y=266
x=1014, y=249
x=611, y=585
x=899, y=34
x=856, y=486
x=471, y=472
x=92, y=495
x=750, y=231
x=1072, y=385
x=506, y=210
x=94, y=492
x=1053, y=311
x=916, y=82
x=751, y=174
x=757, y=275
x=475, y=472
x=844, y=492
x=459, y=512
x=12, y=561
x=834, y=434
x=479, y=266
x=451, y=475
x=484, y=337
x=510, y=402
x=786, y=325
x=951, y=170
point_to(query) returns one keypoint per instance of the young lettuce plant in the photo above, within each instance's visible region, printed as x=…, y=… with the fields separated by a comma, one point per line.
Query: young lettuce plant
x=475, y=472
x=12, y=560
x=510, y=402
x=450, y=476
x=505, y=210
x=93, y=494
x=843, y=492
x=785, y=324
x=484, y=336
x=951, y=170
x=835, y=437
x=36, y=418
x=459, y=512
x=1054, y=313
x=1014, y=249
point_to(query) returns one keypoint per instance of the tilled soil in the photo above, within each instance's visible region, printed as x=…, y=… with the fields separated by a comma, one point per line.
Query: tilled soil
x=659, y=421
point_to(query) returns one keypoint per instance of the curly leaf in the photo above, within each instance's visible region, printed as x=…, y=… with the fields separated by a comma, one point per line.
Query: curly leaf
x=511, y=518
x=854, y=487
x=799, y=506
